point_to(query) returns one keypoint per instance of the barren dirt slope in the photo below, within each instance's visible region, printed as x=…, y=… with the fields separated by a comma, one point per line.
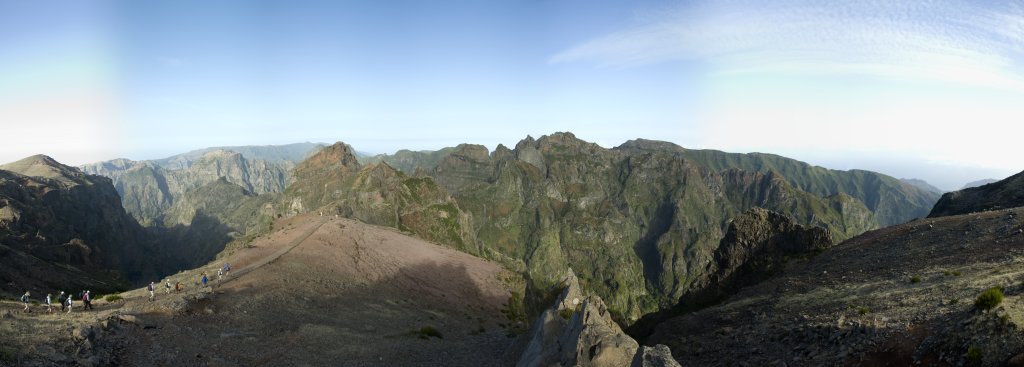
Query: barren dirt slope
x=894, y=296
x=317, y=291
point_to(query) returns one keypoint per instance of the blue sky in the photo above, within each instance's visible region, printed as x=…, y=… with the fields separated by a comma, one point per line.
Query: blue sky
x=929, y=89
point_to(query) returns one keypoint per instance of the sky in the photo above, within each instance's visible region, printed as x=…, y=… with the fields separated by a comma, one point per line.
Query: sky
x=916, y=89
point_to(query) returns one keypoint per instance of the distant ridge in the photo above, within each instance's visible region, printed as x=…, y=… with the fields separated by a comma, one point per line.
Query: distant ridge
x=981, y=182
x=923, y=185
x=1007, y=193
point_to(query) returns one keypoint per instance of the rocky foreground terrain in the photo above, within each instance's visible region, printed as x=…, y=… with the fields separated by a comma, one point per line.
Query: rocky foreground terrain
x=316, y=291
x=902, y=295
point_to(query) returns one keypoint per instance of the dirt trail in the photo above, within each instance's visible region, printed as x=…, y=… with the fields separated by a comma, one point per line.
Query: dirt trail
x=269, y=259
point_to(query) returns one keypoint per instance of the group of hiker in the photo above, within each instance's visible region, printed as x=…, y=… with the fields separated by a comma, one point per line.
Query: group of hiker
x=204, y=279
x=66, y=301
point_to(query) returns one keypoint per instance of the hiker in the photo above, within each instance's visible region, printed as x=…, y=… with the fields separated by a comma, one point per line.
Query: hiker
x=24, y=299
x=152, y=291
x=205, y=279
x=49, y=307
x=220, y=274
x=227, y=269
x=70, y=303
x=86, y=301
x=167, y=286
x=177, y=286
x=62, y=299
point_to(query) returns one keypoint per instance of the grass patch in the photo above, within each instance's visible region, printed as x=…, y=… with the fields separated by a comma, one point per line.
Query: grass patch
x=990, y=298
x=113, y=297
x=953, y=301
x=566, y=313
x=427, y=332
x=862, y=310
x=915, y=279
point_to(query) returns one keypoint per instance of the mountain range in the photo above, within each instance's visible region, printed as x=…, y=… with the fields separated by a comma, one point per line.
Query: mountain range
x=703, y=251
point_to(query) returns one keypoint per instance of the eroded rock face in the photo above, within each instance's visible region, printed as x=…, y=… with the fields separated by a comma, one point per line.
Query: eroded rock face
x=577, y=331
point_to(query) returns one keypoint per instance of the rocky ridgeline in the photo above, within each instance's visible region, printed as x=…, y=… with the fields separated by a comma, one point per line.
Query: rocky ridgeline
x=577, y=330
x=1003, y=194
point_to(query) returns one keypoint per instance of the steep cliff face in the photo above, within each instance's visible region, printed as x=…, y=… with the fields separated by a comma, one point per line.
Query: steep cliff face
x=1007, y=193
x=150, y=188
x=756, y=245
x=61, y=227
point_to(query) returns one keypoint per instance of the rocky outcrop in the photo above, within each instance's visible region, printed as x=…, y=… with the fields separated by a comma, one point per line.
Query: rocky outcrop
x=1007, y=193
x=579, y=331
x=332, y=182
x=756, y=246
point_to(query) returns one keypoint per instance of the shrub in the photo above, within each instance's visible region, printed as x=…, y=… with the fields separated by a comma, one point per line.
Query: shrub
x=989, y=298
x=863, y=310
x=429, y=331
x=953, y=301
x=113, y=297
x=973, y=355
x=915, y=279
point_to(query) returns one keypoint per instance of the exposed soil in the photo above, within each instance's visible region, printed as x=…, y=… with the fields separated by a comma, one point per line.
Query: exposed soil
x=318, y=291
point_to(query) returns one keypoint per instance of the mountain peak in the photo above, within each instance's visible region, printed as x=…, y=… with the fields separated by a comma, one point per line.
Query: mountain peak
x=336, y=156
x=44, y=166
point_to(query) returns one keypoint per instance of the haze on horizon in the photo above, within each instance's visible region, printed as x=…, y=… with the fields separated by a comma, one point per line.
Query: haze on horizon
x=917, y=89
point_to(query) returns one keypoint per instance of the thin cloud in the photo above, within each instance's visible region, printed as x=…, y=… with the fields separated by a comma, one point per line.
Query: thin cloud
x=948, y=41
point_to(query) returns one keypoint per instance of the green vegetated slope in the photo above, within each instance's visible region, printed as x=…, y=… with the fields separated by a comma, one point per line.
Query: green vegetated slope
x=1006, y=193
x=638, y=227
x=891, y=200
x=639, y=223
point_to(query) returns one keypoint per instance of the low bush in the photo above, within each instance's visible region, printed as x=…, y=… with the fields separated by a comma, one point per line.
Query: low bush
x=113, y=297
x=429, y=331
x=990, y=298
